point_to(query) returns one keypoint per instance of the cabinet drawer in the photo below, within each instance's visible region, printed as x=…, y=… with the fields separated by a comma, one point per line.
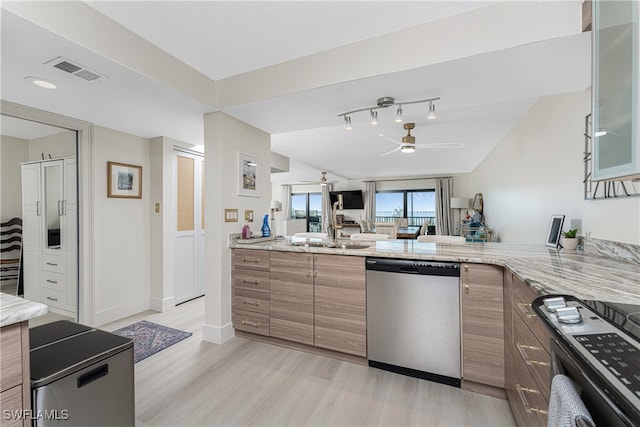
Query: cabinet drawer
x=10, y=357
x=530, y=352
x=54, y=263
x=251, y=300
x=11, y=400
x=523, y=295
x=251, y=279
x=530, y=404
x=54, y=280
x=250, y=258
x=248, y=321
x=54, y=297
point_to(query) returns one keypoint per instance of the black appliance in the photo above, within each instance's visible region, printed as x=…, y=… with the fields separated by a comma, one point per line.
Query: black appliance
x=53, y=237
x=81, y=376
x=597, y=345
x=351, y=199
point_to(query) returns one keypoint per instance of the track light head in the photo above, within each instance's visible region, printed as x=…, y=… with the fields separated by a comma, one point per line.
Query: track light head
x=399, y=114
x=432, y=111
x=347, y=123
x=374, y=117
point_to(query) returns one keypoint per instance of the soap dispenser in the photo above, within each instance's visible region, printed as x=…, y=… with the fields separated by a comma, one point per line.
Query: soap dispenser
x=266, y=231
x=246, y=232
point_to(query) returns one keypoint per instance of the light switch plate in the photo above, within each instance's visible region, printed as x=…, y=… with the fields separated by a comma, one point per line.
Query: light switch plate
x=248, y=215
x=157, y=207
x=231, y=215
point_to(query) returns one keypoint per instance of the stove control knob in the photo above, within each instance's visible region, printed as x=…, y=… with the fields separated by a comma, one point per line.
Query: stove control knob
x=552, y=304
x=568, y=315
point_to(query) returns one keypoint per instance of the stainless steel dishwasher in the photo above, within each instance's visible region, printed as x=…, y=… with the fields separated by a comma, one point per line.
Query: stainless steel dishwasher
x=413, y=318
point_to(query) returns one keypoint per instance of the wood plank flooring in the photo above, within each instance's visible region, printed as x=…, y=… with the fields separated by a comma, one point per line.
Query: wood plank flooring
x=249, y=383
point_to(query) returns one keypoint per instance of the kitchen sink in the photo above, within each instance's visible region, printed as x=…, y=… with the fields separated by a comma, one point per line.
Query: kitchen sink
x=347, y=246
x=338, y=245
x=310, y=244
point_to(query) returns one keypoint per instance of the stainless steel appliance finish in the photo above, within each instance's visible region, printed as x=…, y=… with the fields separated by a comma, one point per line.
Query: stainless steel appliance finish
x=81, y=376
x=599, y=352
x=413, y=318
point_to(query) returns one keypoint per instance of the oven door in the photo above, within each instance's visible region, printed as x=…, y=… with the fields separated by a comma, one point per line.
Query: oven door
x=602, y=409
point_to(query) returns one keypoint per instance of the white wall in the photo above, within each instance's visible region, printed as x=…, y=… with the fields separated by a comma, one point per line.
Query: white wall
x=121, y=230
x=224, y=137
x=61, y=144
x=13, y=151
x=537, y=171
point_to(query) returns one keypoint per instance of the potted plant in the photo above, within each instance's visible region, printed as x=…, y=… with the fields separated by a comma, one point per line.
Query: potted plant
x=569, y=239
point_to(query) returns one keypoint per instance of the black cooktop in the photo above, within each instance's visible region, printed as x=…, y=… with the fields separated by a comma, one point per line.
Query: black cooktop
x=624, y=316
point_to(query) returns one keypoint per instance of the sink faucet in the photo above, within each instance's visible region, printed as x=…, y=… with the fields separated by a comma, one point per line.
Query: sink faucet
x=336, y=205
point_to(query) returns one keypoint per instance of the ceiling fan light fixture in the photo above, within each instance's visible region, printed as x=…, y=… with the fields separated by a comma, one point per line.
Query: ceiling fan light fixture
x=374, y=118
x=432, y=111
x=407, y=149
x=399, y=114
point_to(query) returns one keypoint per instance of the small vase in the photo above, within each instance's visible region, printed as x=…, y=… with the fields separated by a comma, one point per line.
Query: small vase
x=569, y=244
x=266, y=231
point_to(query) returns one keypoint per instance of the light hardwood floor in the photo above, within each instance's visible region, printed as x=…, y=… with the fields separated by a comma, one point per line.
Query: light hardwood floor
x=249, y=383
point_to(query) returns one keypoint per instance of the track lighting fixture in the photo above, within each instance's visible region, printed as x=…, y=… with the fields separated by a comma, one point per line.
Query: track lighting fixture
x=386, y=102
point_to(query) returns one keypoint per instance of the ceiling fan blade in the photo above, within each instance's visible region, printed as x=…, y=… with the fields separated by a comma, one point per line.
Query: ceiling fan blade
x=391, y=140
x=441, y=145
x=392, y=151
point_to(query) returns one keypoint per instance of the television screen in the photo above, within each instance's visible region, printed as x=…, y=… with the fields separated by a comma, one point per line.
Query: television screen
x=351, y=199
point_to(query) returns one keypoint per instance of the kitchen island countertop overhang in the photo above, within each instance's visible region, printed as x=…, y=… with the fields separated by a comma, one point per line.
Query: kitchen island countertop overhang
x=547, y=270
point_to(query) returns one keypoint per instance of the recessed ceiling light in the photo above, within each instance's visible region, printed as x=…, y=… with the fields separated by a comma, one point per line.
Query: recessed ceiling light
x=40, y=82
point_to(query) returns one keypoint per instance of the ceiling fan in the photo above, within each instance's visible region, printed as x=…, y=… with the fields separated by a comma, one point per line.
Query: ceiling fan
x=408, y=144
x=323, y=179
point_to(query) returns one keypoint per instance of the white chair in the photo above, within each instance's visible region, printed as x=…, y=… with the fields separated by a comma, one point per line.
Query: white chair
x=434, y=238
x=369, y=236
x=386, y=228
x=401, y=222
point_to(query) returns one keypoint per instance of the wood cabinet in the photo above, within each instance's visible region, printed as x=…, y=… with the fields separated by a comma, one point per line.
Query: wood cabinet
x=482, y=324
x=250, y=290
x=50, y=233
x=313, y=299
x=528, y=372
x=291, y=297
x=15, y=387
x=340, y=303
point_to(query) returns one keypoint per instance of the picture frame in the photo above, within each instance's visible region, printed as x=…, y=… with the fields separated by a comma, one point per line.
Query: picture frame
x=248, y=175
x=555, y=231
x=124, y=181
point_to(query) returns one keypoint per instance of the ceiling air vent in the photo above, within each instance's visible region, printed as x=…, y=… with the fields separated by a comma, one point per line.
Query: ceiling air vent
x=73, y=68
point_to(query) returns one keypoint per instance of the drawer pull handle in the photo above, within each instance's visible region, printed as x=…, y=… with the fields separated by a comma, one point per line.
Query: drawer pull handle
x=253, y=282
x=254, y=324
x=52, y=299
x=52, y=264
x=525, y=311
x=248, y=301
x=52, y=281
x=525, y=402
x=245, y=259
x=466, y=289
x=521, y=349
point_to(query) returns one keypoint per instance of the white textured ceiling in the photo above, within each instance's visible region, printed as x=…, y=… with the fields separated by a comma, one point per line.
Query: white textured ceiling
x=483, y=96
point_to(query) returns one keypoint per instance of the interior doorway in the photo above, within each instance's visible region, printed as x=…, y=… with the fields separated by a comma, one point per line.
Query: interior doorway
x=188, y=280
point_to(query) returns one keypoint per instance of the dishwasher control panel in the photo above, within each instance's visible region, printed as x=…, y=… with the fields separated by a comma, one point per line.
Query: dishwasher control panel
x=408, y=266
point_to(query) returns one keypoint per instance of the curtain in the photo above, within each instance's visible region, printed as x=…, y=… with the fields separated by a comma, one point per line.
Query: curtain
x=326, y=209
x=444, y=220
x=286, y=202
x=370, y=200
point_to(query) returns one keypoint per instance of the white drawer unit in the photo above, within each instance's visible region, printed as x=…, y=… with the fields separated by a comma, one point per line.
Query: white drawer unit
x=54, y=263
x=54, y=298
x=56, y=281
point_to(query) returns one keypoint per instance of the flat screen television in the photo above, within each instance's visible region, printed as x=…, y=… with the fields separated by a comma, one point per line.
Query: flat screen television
x=351, y=199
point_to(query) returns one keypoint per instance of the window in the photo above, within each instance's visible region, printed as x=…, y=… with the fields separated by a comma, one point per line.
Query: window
x=308, y=206
x=415, y=205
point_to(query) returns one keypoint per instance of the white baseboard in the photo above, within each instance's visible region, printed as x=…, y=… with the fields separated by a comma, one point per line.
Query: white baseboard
x=217, y=335
x=116, y=313
x=163, y=305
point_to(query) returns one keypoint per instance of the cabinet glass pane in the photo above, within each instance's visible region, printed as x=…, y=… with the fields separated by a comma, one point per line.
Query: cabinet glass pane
x=53, y=204
x=615, y=87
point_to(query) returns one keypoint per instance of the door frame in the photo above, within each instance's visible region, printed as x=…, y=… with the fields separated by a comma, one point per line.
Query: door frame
x=85, y=310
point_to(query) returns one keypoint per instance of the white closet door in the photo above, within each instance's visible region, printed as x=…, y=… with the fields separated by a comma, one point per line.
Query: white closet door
x=188, y=281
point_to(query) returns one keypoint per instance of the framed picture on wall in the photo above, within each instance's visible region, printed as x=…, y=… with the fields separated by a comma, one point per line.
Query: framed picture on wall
x=124, y=181
x=248, y=175
x=555, y=231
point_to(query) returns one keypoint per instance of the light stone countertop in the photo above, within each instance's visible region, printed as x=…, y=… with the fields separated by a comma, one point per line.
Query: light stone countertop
x=547, y=270
x=14, y=309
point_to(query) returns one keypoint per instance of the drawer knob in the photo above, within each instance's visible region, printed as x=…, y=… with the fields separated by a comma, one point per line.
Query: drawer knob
x=521, y=349
x=530, y=409
x=52, y=281
x=523, y=307
x=245, y=259
x=52, y=264
x=253, y=282
x=466, y=289
x=254, y=324
x=52, y=299
x=251, y=302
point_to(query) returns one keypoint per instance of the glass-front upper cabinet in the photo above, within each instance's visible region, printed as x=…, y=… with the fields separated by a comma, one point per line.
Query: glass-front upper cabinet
x=615, y=92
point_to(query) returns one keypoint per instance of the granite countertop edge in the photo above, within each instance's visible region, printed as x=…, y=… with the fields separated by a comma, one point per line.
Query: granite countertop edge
x=14, y=309
x=547, y=270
